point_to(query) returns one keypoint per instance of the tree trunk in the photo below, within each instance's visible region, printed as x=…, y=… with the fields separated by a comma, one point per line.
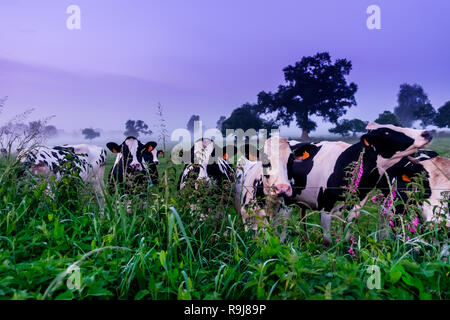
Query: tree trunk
x=305, y=135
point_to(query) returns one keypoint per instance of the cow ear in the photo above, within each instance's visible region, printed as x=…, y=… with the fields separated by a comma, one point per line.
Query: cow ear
x=149, y=146
x=305, y=151
x=113, y=147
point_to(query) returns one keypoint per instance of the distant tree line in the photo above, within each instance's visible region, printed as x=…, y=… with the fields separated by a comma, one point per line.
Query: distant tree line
x=317, y=86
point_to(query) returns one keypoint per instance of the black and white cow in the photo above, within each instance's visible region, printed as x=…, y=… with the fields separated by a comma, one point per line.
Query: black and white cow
x=262, y=181
x=320, y=178
x=135, y=164
x=206, y=166
x=89, y=159
x=435, y=171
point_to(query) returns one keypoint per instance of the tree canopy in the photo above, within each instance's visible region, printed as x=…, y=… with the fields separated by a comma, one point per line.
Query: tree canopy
x=246, y=118
x=442, y=119
x=425, y=114
x=220, y=122
x=90, y=133
x=345, y=126
x=410, y=99
x=39, y=126
x=190, y=124
x=314, y=86
x=387, y=117
x=135, y=128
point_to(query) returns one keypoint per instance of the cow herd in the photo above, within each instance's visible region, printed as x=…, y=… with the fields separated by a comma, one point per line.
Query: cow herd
x=267, y=180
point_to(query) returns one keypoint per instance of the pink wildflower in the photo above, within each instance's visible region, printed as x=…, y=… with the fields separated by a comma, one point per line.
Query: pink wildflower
x=351, y=251
x=358, y=177
x=416, y=221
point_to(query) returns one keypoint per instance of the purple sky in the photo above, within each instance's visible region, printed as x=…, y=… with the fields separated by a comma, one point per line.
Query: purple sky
x=208, y=57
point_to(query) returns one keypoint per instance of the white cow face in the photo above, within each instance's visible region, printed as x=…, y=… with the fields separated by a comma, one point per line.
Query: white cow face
x=275, y=157
x=393, y=143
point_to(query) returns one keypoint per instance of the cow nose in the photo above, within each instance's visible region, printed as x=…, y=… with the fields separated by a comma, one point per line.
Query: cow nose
x=427, y=135
x=285, y=189
x=136, y=166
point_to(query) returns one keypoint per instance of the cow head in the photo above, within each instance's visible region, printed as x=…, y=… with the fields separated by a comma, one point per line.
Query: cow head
x=275, y=157
x=404, y=171
x=392, y=143
x=207, y=164
x=133, y=155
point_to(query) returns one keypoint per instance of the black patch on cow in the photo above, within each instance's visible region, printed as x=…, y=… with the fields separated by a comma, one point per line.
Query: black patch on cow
x=337, y=181
x=299, y=169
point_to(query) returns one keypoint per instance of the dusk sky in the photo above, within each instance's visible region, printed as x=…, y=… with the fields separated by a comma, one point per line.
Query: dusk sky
x=208, y=57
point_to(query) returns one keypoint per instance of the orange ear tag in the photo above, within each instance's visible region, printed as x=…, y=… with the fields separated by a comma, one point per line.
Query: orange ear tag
x=305, y=155
x=366, y=142
x=225, y=156
x=150, y=148
x=114, y=150
x=406, y=178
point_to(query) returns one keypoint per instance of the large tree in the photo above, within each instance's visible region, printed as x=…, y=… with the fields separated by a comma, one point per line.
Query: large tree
x=410, y=98
x=442, y=119
x=345, y=126
x=314, y=86
x=135, y=128
x=387, y=117
x=246, y=118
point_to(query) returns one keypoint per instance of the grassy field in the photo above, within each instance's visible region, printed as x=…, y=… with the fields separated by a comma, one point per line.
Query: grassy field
x=64, y=245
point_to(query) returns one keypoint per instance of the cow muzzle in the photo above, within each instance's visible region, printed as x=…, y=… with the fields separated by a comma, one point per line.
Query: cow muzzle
x=136, y=167
x=283, y=190
x=427, y=135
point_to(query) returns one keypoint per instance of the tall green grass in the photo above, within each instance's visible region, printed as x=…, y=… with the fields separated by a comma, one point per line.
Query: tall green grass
x=151, y=246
